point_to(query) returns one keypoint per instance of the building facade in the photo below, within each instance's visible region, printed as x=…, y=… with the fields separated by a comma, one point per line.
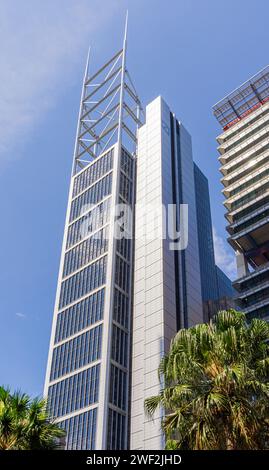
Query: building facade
x=225, y=299
x=124, y=288
x=224, y=284
x=87, y=380
x=244, y=157
x=167, y=285
x=217, y=291
x=205, y=238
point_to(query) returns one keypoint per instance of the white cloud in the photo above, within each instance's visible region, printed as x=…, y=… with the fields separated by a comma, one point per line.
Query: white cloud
x=20, y=315
x=223, y=257
x=41, y=44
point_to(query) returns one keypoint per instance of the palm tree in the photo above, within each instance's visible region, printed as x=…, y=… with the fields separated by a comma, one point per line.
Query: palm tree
x=25, y=424
x=216, y=390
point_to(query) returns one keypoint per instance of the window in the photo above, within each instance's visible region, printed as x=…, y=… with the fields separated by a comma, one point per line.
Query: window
x=80, y=316
x=93, y=172
x=83, y=282
x=124, y=247
x=122, y=274
x=118, y=387
x=93, y=195
x=116, y=431
x=119, y=348
x=80, y=431
x=76, y=353
x=121, y=308
x=262, y=190
x=75, y=392
x=127, y=164
x=125, y=188
x=86, y=251
x=88, y=223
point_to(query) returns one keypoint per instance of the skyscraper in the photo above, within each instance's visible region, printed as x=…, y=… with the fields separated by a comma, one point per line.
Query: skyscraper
x=87, y=381
x=124, y=287
x=167, y=285
x=205, y=237
x=244, y=157
x=217, y=291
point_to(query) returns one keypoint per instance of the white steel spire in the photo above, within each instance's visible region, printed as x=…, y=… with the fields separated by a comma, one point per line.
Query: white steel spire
x=109, y=108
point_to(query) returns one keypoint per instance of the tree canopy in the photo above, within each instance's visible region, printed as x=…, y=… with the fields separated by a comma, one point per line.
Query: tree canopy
x=25, y=424
x=216, y=389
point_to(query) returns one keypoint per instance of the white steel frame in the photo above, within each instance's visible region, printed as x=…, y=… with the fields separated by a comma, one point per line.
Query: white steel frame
x=109, y=108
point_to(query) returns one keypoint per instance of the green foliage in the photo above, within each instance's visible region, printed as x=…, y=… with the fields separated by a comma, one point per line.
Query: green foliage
x=24, y=423
x=216, y=388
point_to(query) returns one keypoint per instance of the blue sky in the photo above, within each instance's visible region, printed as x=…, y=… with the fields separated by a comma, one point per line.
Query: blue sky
x=190, y=51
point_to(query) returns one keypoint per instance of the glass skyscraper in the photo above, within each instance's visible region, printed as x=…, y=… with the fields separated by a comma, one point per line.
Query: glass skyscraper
x=244, y=157
x=121, y=297
x=167, y=284
x=217, y=291
x=205, y=235
x=87, y=381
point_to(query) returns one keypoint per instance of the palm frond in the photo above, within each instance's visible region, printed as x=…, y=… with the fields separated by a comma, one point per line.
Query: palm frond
x=215, y=385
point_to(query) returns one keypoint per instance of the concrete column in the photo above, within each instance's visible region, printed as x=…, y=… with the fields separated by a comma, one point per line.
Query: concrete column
x=241, y=264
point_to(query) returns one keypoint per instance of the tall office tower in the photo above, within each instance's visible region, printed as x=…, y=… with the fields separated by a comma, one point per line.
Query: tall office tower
x=244, y=158
x=205, y=238
x=167, y=286
x=217, y=291
x=120, y=300
x=87, y=381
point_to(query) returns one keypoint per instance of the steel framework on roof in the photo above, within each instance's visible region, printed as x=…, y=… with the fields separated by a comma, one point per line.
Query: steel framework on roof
x=110, y=110
x=246, y=98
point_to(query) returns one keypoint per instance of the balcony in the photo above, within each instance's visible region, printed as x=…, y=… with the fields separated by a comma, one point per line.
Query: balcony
x=258, y=276
x=253, y=241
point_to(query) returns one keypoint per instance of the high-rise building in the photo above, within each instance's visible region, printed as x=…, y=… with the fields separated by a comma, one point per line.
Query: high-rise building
x=244, y=157
x=217, y=291
x=87, y=381
x=167, y=285
x=124, y=287
x=205, y=237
